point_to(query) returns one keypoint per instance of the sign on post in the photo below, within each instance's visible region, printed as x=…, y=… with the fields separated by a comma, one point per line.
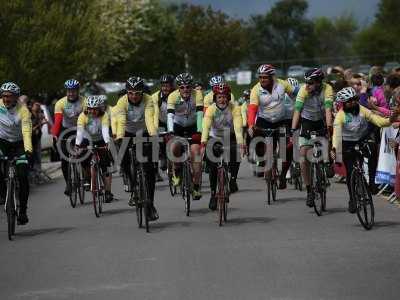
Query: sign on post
x=243, y=77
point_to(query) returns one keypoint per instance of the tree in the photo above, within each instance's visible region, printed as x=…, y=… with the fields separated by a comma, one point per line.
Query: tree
x=379, y=40
x=283, y=33
x=45, y=42
x=334, y=38
x=211, y=41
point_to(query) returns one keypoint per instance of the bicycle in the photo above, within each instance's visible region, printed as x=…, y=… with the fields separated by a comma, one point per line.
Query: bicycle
x=319, y=180
x=271, y=175
x=97, y=180
x=139, y=190
x=11, y=205
x=222, y=193
x=75, y=181
x=359, y=188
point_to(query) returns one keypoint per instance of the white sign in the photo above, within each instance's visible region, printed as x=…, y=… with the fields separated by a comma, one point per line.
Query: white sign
x=243, y=77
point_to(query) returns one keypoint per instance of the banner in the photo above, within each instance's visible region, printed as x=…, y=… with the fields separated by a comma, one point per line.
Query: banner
x=386, y=171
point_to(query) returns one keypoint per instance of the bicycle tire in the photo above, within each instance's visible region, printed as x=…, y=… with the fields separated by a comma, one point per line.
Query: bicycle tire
x=73, y=195
x=186, y=188
x=81, y=184
x=95, y=191
x=221, y=195
x=144, y=198
x=172, y=188
x=101, y=191
x=268, y=183
x=315, y=182
x=10, y=209
x=363, y=198
x=137, y=194
x=274, y=184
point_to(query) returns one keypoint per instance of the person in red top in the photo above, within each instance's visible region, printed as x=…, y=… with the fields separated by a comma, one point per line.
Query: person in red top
x=66, y=113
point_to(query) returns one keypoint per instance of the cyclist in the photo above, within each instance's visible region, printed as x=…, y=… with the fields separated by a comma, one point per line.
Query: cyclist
x=185, y=116
x=66, y=113
x=351, y=128
x=136, y=115
x=214, y=82
x=160, y=99
x=243, y=102
x=221, y=117
x=15, y=140
x=268, y=106
x=93, y=126
x=313, y=111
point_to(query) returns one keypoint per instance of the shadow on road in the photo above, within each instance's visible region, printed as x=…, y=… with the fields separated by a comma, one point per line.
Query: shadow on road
x=36, y=232
x=335, y=210
x=112, y=212
x=205, y=211
x=158, y=227
x=286, y=200
x=387, y=224
x=241, y=221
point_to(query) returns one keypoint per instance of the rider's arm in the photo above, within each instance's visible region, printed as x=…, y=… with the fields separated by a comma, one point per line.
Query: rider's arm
x=149, y=116
x=26, y=125
x=207, y=122
x=172, y=98
x=253, y=106
x=328, y=104
x=113, y=121
x=82, y=121
x=337, y=129
x=156, y=109
x=374, y=118
x=298, y=106
x=238, y=123
x=243, y=109
x=199, y=110
x=208, y=100
x=105, y=128
x=58, y=117
x=120, y=111
x=289, y=89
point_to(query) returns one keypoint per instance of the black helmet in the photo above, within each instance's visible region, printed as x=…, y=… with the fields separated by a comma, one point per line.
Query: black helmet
x=314, y=74
x=167, y=78
x=135, y=83
x=184, y=78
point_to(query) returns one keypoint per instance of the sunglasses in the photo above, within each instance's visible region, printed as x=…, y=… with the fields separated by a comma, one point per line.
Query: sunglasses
x=7, y=95
x=136, y=93
x=310, y=82
x=185, y=87
x=265, y=77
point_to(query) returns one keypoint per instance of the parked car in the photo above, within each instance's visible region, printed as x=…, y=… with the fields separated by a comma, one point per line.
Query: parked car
x=295, y=71
x=389, y=66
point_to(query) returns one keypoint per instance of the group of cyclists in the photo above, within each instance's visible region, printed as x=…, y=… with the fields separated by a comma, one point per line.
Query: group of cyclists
x=179, y=109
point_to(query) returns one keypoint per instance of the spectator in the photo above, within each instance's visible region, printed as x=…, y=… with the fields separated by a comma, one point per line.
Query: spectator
x=392, y=82
x=378, y=101
x=38, y=120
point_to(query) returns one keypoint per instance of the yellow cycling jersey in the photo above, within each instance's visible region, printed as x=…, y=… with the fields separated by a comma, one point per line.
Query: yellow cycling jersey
x=216, y=121
x=70, y=110
x=243, y=109
x=271, y=106
x=16, y=125
x=209, y=99
x=184, y=112
x=96, y=129
x=312, y=107
x=132, y=118
x=162, y=111
x=113, y=119
x=348, y=127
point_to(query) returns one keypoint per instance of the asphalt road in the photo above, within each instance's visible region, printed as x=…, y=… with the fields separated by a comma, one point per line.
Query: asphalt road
x=283, y=251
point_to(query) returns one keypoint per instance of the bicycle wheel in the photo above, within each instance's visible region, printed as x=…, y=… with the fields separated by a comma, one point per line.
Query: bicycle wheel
x=81, y=184
x=172, y=188
x=274, y=184
x=144, y=198
x=95, y=191
x=138, y=196
x=363, y=198
x=316, y=187
x=101, y=198
x=269, y=190
x=73, y=193
x=221, y=195
x=10, y=208
x=186, y=188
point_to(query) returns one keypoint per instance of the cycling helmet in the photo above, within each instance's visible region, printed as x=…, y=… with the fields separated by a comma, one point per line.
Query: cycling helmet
x=246, y=93
x=71, y=84
x=314, y=74
x=222, y=88
x=293, y=82
x=103, y=99
x=94, y=101
x=184, y=78
x=215, y=80
x=345, y=94
x=135, y=83
x=266, y=69
x=10, y=87
x=167, y=78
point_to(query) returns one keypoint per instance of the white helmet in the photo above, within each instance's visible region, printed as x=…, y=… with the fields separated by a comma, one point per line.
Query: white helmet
x=216, y=80
x=94, y=102
x=293, y=82
x=10, y=87
x=345, y=94
x=266, y=69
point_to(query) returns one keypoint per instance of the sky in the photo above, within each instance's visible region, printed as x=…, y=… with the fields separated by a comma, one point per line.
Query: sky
x=363, y=10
